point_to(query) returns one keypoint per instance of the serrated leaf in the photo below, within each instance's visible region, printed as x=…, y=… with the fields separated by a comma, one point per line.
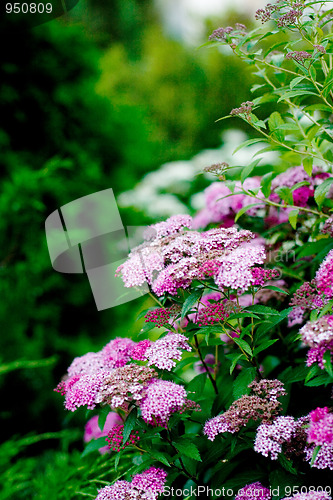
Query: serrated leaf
x=285, y=194
x=327, y=307
x=93, y=445
x=244, y=345
x=188, y=449
x=147, y=327
x=129, y=424
x=322, y=191
x=246, y=172
x=190, y=302
x=292, y=217
x=260, y=309
x=320, y=380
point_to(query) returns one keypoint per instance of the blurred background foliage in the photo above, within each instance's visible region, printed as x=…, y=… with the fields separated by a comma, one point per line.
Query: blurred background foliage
x=92, y=100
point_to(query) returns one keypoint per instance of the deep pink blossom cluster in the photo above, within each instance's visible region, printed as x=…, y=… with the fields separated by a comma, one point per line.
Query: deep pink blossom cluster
x=160, y=316
x=311, y=495
x=318, y=335
x=324, y=276
x=212, y=313
x=321, y=427
x=261, y=275
x=253, y=491
x=147, y=485
x=115, y=438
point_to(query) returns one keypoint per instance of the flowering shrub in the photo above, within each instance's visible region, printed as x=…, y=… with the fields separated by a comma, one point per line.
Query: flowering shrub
x=234, y=387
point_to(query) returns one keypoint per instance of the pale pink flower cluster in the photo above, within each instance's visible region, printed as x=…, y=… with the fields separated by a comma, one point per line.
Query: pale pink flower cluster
x=162, y=398
x=318, y=335
x=310, y=495
x=270, y=437
x=299, y=438
x=186, y=256
x=145, y=486
x=163, y=351
x=110, y=377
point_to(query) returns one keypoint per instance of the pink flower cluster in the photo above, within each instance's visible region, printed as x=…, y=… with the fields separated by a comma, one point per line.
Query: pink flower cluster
x=253, y=491
x=261, y=276
x=222, y=253
x=115, y=438
x=110, y=377
x=324, y=276
x=162, y=398
x=160, y=316
x=311, y=495
x=320, y=431
x=261, y=405
x=318, y=335
x=212, y=313
x=147, y=485
x=163, y=351
x=299, y=437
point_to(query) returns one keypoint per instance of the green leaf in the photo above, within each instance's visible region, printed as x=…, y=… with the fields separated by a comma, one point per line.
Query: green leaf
x=322, y=191
x=328, y=84
x=129, y=424
x=246, y=172
x=285, y=194
x=259, y=309
x=295, y=81
x=242, y=381
x=317, y=107
x=266, y=182
x=248, y=143
x=274, y=122
x=314, y=455
x=147, y=327
x=295, y=93
x=320, y=380
x=244, y=345
x=245, y=209
x=264, y=346
x=160, y=457
x=314, y=247
x=144, y=312
x=190, y=302
x=235, y=359
x=188, y=449
x=292, y=217
x=102, y=417
x=93, y=445
x=197, y=384
x=327, y=307
x=307, y=165
x=327, y=361
x=276, y=289
x=287, y=464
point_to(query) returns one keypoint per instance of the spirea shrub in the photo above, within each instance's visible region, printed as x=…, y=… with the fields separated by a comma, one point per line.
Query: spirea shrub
x=232, y=388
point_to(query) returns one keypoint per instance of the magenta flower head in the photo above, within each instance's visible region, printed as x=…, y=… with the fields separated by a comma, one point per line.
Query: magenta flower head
x=320, y=431
x=253, y=491
x=147, y=485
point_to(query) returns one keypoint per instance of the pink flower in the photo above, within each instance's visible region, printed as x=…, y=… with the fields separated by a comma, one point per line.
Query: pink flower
x=161, y=400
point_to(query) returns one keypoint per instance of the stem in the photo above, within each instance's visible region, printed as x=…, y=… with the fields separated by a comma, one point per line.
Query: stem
x=204, y=364
x=183, y=468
